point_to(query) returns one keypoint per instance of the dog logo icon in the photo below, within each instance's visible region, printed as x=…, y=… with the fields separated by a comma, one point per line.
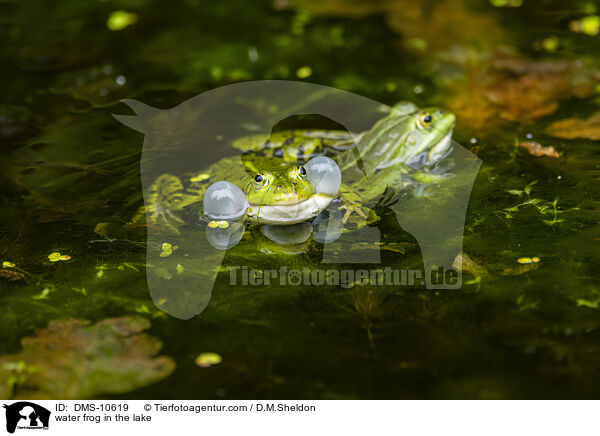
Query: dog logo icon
x=26, y=415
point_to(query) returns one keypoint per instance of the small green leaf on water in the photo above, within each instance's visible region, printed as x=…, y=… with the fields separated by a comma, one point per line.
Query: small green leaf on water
x=119, y=20
x=304, y=72
x=204, y=360
x=166, y=249
x=56, y=256
x=589, y=25
x=7, y=264
x=550, y=44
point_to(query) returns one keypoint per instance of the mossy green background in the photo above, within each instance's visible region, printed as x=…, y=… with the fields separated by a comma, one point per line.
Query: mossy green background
x=67, y=165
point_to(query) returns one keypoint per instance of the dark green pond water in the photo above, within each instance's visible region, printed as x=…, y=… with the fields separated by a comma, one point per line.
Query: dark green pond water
x=517, y=328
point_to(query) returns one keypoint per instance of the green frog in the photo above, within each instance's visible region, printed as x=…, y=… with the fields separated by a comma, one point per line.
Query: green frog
x=401, y=148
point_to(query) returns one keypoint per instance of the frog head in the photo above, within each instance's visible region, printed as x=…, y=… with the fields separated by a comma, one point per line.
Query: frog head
x=282, y=185
x=284, y=194
x=410, y=137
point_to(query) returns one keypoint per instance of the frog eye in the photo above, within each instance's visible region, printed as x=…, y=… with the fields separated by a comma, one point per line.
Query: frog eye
x=425, y=119
x=301, y=170
x=260, y=180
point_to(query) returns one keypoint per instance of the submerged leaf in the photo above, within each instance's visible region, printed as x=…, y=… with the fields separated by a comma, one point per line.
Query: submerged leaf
x=11, y=274
x=518, y=89
x=74, y=359
x=537, y=149
x=573, y=128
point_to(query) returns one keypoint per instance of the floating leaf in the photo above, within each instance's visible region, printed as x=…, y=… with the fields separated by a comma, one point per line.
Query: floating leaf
x=166, y=249
x=589, y=25
x=219, y=224
x=537, y=149
x=205, y=360
x=304, y=72
x=75, y=359
x=56, y=256
x=7, y=264
x=528, y=260
x=119, y=20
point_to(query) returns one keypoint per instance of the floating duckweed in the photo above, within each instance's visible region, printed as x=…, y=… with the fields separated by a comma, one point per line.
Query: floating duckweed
x=550, y=44
x=506, y=3
x=527, y=260
x=205, y=360
x=119, y=20
x=589, y=25
x=7, y=264
x=179, y=268
x=56, y=256
x=304, y=72
x=220, y=224
x=166, y=249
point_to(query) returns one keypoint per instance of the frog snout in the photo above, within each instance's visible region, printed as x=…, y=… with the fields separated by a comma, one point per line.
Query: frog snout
x=281, y=188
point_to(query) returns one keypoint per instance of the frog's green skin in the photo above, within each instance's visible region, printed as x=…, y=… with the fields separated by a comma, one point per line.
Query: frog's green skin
x=283, y=196
x=399, y=149
x=295, y=145
x=401, y=146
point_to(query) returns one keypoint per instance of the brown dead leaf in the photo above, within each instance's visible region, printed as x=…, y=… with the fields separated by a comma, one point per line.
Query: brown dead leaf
x=12, y=274
x=514, y=88
x=449, y=23
x=572, y=128
x=74, y=359
x=537, y=149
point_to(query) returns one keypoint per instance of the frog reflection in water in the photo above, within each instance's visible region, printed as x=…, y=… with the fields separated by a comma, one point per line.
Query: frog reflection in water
x=403, y=148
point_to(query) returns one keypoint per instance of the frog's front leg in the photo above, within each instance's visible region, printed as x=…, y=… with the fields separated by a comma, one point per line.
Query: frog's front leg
x=423, y=181
x=353, y=205
x=166, y=196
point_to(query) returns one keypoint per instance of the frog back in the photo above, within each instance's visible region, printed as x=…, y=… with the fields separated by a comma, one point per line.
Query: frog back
x=295, y=146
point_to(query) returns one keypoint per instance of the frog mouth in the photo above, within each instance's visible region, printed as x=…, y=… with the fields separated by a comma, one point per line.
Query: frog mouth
x=286, y=214
x=441, y=149
x=433, y=155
